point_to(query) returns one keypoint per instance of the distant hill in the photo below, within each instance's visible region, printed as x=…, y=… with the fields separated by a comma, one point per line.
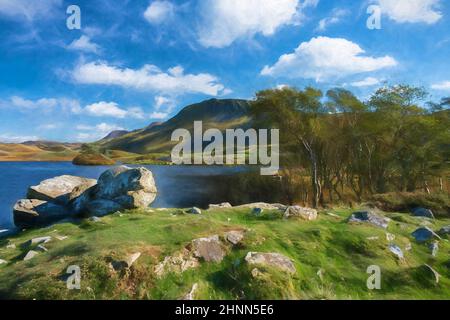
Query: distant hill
x=38, y=151
x=156, y=138
x=115, y=134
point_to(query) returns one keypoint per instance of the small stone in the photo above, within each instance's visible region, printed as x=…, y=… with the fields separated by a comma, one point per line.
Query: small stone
x=307, y=214
x=445, y=230
x=333, y=215
x=257, y=211
x=61, y=238
x=390, y=237
x=434, y=247
x=397, y=251
x=436, y=275
x=271, y=259
x=424, y=234
x=195, y=210
x=41, y=240
x=373, y=238
x=127, y=263
x=30, y=255
x=95, y=219
x=42, y=248
x=422, y=212
x=11, y=246
x=3, y=261
x=191, y=295
x=370, y=217
x=256, y=273
x=234, y=237
x=408, y=246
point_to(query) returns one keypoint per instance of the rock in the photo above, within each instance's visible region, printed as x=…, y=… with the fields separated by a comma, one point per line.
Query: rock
x=124, y=181
x=37, y=241
x=408, y=246
x=234, y=237
x=224, y=205
x=275, y=260
x=397, y=251
x=3, y=261
x=373, y=238
x=444, y=230
x=125, y=264
x=333, y=215
x=422, y=212
x=390, y=237
x=195, y=210
x=434, y=273
x=370, y=217
x=190, y=296
x=257, y=211
x=11, y=246
x=300, y=212
x=100, y=208
x=424, y=234
x=32, y=212
x=95, y=219
x=177, y=263
x=88, y=184
x=264, y=206
x=57, y=189
x=42, y=248
x=30, y=255
x=256, y=273
x=434, y=247
x=209, y=249
x=61, y=238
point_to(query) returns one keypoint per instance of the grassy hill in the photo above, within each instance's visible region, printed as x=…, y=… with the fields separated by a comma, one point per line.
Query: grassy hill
x=331, y=257
x=38, y=151
x=156, y=138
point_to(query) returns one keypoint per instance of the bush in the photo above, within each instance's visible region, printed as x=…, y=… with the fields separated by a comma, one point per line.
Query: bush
x=439, y=203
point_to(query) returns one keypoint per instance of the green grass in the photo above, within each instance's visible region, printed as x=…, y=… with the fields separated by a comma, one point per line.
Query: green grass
x=341, y=251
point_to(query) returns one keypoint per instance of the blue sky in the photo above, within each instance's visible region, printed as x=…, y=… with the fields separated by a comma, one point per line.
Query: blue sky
x=135, y=62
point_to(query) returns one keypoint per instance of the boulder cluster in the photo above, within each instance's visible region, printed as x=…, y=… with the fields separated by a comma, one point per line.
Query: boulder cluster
x=67, y=196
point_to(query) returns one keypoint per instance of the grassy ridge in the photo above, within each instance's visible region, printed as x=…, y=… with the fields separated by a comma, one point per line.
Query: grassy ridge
x=341, y=251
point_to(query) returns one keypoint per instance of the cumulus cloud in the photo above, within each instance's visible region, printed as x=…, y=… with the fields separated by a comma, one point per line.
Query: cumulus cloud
x=412, y=11
x=444, y=86
x=159, y=11
x=148, y=78
x=322, y=58
x=335, y=17
x=112, y=109
x=367, y=82
x=29, y=9
x=93, y=133
x=84, y=44
x=225, y=21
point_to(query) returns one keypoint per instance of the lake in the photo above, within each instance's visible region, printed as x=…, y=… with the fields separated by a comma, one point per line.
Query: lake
x=178, y=186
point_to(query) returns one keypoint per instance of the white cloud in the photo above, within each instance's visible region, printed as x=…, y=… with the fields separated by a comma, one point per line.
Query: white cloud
x=225, y=21
x=367, y=82
x=44, y=104
x=159, y=12
x=159, y=115
x=412, y=11
x=84, y=44
x=96, y=132
x=12, y=138
x=444, y=86
x=112, y=109
x=49, y=126
x=335, y=17
x=322, y=58
x=29, y=9
x=148, y=78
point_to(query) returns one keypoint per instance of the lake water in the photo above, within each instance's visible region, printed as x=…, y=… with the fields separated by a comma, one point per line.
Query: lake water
x=178, y=186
